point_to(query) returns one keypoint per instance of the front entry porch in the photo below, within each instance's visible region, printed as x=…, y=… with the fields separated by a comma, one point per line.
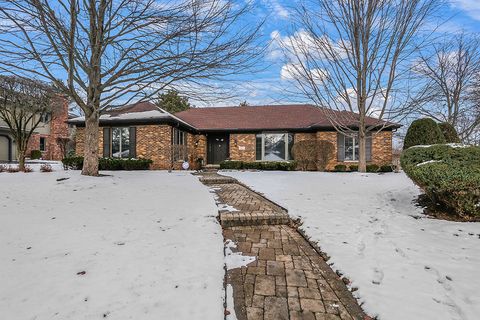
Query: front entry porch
x=217, y=148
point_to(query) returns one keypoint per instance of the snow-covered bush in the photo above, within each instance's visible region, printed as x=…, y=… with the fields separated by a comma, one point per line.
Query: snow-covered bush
x=46, y=168
x=423, y=132
x=449, y=175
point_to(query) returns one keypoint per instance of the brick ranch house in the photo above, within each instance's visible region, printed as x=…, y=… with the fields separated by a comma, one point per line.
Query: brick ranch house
x=212, y=135
x=53, y=126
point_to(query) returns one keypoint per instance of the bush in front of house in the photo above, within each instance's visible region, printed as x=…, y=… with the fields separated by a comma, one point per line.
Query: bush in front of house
x=35, y=154
x=73, y=162
x=46, y=168
x=372, y=167
x=340, y=168
x=448, y=175
x=386, y=168
x=14, y=169
x=305, y=153
x=326, y=152
x=449, y=132
x=259, y=165
x=110, y=164
x=353, y=167
x=231, y=164
x=313, y=154
x=423, y=132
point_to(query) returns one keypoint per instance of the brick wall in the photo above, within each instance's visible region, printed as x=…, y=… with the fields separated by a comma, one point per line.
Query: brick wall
x=330, y=136
x=242, y=146
x=154, y=142
x=302, y=136
x=382, y=147
x=58, y=129
x=80, y=141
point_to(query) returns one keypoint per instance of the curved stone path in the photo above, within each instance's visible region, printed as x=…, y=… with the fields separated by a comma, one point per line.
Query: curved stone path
x=288, y=279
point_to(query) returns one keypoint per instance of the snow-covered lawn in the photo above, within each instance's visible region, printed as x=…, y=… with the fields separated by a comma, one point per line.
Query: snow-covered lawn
x=134, y=245
x=405, y=265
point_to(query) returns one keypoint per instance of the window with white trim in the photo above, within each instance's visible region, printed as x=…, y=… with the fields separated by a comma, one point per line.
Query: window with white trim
x=121, y=142
x=274, y=146
x=351, y=148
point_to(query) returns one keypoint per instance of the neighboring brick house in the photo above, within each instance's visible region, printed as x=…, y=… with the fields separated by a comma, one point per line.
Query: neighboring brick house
x=211, y=135
x=44, y=138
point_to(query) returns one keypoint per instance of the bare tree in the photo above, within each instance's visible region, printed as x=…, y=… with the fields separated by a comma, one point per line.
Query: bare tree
x=348, y=55
x=449, y=78
x=24, y=105
x=98, y=52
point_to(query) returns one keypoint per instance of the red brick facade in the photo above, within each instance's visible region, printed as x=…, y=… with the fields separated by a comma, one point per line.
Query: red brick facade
x=154, y=142
x=56, y=128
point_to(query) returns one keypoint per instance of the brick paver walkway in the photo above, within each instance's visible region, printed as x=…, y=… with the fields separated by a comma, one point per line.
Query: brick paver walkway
x=288, y=279
x=246, y=207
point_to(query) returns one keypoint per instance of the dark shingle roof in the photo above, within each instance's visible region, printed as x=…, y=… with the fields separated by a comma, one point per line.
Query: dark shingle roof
x=270, y=117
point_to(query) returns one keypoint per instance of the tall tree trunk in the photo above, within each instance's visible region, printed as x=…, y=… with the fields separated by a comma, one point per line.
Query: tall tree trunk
x=90, y=161
x=362, y=150
x=21, y=159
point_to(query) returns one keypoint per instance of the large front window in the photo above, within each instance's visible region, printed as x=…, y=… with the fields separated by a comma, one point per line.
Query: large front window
x=274, y=146
x=351, y=148
x=120, y=142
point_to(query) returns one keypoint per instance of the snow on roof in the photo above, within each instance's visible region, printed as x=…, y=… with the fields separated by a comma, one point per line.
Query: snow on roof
x=153, y=114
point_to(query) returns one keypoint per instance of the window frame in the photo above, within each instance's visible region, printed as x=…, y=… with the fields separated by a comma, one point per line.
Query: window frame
x=44, y=144
x=286, y=136
x=355, y=146
x=120, y=143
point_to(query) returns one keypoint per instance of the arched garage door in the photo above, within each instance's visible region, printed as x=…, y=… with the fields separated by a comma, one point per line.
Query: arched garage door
x=5, y=149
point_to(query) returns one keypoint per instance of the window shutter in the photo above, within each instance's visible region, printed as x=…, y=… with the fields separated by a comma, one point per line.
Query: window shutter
x=368, y=147
x=106, y=142
x=133, y=142
x=340, y=147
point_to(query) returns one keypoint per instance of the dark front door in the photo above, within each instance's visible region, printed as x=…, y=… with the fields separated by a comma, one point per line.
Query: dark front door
x=217, y=148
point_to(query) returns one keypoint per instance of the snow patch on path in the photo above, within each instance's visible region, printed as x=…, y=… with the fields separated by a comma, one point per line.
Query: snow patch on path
x=235, y=260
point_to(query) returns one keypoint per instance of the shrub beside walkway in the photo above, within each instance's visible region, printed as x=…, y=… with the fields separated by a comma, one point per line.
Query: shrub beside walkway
x=288, y=279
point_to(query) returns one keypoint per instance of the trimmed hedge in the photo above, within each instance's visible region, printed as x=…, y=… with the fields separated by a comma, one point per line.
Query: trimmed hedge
x=423, y=132
x=449, y=132
x=340, y=168
x=259, y=165
x=35, y=154
x=449, y=176
x=372, y=167
x=353, y=167
x=110, y=164
x=386, y=168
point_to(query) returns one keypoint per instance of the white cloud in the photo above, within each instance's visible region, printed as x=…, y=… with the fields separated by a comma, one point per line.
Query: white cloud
x=277, y=8
x=292, y=71
x=302, y=44
x=471, y=7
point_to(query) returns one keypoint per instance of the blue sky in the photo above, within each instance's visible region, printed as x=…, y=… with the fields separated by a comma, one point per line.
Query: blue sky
x=268, y=86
